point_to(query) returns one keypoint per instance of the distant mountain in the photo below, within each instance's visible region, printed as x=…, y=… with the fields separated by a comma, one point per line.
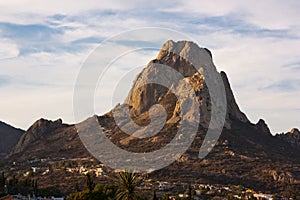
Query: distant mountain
x=46, y=138
x=246, y=153
x=9, y=137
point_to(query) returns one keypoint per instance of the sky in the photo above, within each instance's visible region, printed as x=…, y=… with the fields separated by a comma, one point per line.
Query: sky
x=44, y=44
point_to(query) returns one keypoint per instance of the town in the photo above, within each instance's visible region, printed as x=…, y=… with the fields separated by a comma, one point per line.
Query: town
x=101, y=174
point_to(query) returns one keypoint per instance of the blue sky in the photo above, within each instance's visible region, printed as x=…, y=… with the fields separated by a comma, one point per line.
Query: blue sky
x=43, y=44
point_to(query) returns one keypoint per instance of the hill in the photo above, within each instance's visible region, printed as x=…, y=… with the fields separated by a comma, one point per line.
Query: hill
x=9, y=136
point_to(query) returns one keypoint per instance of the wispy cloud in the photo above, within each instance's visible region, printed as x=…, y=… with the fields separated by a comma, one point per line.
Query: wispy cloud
x=293, y=65
x=8, y=48
x=4, y=80
x=284, y=85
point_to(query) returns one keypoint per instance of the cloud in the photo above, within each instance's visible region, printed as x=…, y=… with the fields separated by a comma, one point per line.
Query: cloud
x=264, y=14
x=4, y=80
x=22, y=106
x=8, y=49
x=293, y=65
x=31, y=11
x=284, y=85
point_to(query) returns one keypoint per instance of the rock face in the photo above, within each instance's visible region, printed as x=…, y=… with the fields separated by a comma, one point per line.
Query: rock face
x=46, y=138
x=263, y=127
x=9, y=137
x=292, y=137
x=37, y=131
x=142, y=96
x=283, y=177
x=232, y=107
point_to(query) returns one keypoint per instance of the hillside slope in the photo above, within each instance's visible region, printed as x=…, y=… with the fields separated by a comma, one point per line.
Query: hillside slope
x=9, y=136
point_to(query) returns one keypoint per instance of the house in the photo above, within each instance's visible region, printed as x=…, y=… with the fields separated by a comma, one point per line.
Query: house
x=99, y=172
x=165, y=186
x=263, y=196
x=35, y=169
x=183, y=195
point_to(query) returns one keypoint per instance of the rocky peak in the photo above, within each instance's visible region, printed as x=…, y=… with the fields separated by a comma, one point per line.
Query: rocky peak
x=262, y=126
x=37, y=131
x=292, y=137
x=295, y=131
x=42, y=126
x=173, y=54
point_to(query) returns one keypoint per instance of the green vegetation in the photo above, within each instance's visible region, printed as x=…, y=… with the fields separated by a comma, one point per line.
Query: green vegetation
x=15, y=185
x=89, y=182
x=125, y=188
x=127, y=183
x=154, y=196
x=100, y=191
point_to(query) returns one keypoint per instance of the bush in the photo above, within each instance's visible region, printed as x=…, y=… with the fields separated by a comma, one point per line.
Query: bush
x=101, y=191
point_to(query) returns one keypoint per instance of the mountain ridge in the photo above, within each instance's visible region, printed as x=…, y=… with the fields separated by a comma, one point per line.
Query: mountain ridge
x=9, y=138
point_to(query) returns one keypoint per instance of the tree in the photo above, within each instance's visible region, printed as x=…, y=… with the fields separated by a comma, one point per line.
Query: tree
x=34, y=185
x=77, y=187
x=127, y=182
x=2, y=180
x=166, y=196
x=154, y=196
x=89, y=182
x=101, y=191
x=189, y=192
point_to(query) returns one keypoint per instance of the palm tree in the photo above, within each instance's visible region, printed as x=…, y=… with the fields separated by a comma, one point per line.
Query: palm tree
x=127, y=182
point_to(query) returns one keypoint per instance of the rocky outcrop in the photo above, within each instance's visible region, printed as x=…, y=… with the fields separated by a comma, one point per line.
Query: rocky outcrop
x=9, y=137
x=233, y=109
x=292, y=137
x=262, y=127
x=283, y=177
x=142, y=96
x=51, y=140
x=37, y=131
